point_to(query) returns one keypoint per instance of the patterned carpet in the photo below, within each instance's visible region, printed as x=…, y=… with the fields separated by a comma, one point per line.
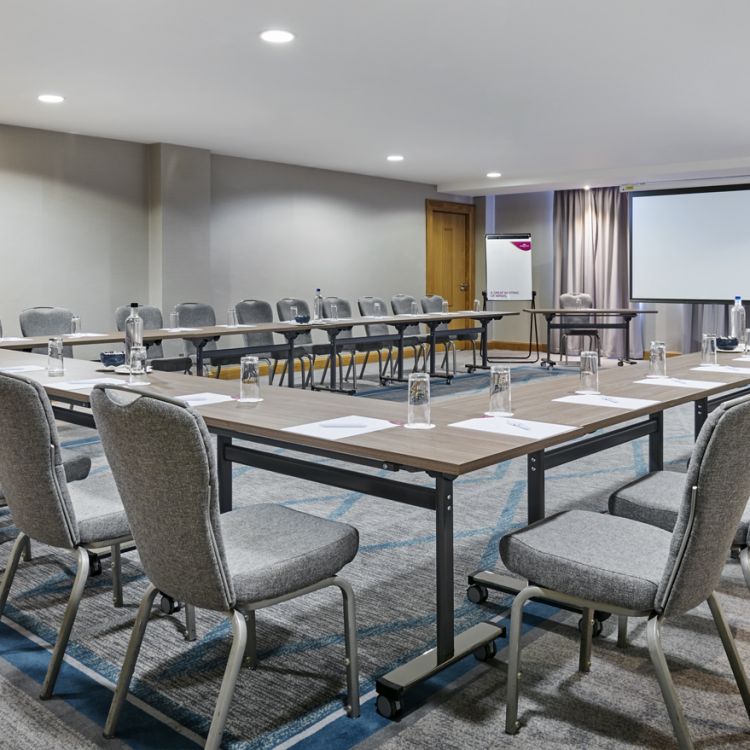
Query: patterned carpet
x=294, y=696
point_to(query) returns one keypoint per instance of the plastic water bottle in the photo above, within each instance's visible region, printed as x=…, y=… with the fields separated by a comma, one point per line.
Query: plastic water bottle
x=317, y=305
x=133, y=330
x=738, y=320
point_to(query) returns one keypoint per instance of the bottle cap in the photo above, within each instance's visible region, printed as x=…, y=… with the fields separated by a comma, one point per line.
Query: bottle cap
x=134, y=304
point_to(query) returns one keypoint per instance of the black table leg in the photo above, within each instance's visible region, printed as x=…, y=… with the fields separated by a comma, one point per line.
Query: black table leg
x=701, y=414
x=433, y=341
x=656, y=443
x=444, y=568
x=484, y=341
x=224, y=471
x=400, y=369
x=535, y=480
x=290, y=336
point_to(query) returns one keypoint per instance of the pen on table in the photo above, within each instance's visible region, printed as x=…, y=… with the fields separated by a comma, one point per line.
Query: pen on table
x=610, y=399
x=519, y=426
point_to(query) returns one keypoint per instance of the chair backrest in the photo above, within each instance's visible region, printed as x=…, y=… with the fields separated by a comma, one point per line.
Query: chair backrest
x=401, y=305
x=572, y=301
x=433, y=303
x=283, y=310
x=255, y=311
x=366, y=307
x=343, y=310
x=1, y=329
x=196, y=315
x=46, y=321
x=32, y=474
x=152, y=320
x=162, y=460
x=708, y=518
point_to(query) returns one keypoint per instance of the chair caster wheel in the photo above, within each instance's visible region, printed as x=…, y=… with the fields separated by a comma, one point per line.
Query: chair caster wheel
x=95, y=566
x=477, y=594
x=389, y=708
x=485, y=652
x=168, y=605
x=596, y=628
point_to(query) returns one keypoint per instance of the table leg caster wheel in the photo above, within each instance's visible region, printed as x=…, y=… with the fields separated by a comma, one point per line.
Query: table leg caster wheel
x=477, y=594
x=168, y=605
x=485, y=652
x=95, y=566
x=389, y=708
x=596, y=628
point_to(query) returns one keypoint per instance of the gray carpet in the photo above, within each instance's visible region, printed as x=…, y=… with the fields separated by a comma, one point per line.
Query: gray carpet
x=300, y=679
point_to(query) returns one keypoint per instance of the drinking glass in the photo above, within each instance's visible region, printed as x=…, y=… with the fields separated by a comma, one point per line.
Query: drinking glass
x=589, y=373
x=232, y=317
x=249, y=380
x=477, y=306
x=75, y=324
x=445, y=306
x=500, y=392
x=657, y=363
x=174, y=319
x=334, y=311
x=55, y=359
x=293, y=313
x=419, y=401
x=377, y=310
x=414, y=309
x=137, y=365
x=747, y=340
x=708, y=349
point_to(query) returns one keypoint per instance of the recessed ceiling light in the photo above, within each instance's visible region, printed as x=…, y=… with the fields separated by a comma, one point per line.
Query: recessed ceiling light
x=51, y=98
x=494, y=175
x=395, y=157
x=277, y=36
x=587, y=187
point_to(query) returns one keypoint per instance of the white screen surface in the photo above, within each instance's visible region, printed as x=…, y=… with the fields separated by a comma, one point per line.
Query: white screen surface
x=692, y=246
x=508, y=267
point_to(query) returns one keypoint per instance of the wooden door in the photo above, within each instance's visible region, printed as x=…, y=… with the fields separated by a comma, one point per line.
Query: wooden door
x=450, y=254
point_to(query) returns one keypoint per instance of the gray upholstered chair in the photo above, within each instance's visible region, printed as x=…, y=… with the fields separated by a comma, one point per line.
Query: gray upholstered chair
x=599, y=562
x=239, y=562
x=152, y=320
x=343, y=310
x=196, y=315
x=401, y=304
x=433, y=303
x=370, y=307
x=577, y=323
x=45, y=508
x=46, y=321
x=304, y=349
x=253, y=312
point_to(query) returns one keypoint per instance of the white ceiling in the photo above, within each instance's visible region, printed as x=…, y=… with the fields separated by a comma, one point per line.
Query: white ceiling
x=552, y=93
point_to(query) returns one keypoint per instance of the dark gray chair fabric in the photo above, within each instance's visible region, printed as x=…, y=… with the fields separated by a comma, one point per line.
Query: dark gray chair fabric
x=152, y=320
x=196, y=315
x=303, y=344
x=577, y=323
x=632, y=569
x=433, y=303
x=343, y=311
x=47, y=321
x=75, y=467
x=370, y=307
x=401, y=304
x=254, y=312
x=44, y=507
x=238, y=562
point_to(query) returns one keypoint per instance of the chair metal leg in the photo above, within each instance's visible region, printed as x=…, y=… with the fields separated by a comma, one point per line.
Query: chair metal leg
x=587, y=634
x=512, y=725
x=190, y=633
x=364, y=364
x=730, y=647
x=10, y=569
x=325, y=371
x=350, y=638
x=236, y=654
x=674, y=708
x=272, y=371
x=250, y=657
x=283, y=373
x=27, y=550
x=131, y=656
x=745, y=564
x=71, y=610
x=116, y=576
x=622, y=631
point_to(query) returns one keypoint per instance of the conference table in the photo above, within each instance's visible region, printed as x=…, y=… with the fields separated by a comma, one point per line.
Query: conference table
x=201, y=336
x=251, y=434
x=624, y=314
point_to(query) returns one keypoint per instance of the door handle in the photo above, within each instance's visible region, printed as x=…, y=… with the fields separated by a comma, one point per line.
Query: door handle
x=463, y=286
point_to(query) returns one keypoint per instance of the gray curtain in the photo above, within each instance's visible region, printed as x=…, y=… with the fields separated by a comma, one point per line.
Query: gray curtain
x=700, y=319
x=591, y=235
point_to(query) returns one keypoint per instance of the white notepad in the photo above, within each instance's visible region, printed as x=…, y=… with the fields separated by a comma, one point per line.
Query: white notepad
x=203, y=399
x=614, y=402
x=22, y=368
x=515, y=427
x=84, y=335
x=679, y=383
x=12, y=338
x=341, y=427
x=722, y=368
x=84, y=384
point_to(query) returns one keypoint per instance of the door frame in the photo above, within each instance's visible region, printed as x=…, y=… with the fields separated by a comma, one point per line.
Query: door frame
x=467, y=209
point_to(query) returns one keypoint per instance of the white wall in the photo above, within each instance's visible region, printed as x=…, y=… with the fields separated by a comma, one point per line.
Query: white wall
x=73, y=226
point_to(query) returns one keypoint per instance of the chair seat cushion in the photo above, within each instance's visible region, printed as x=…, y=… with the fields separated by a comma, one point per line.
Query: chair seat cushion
x=592, y=556
x=272, y=550
x=655, y=499
x=100, y=517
